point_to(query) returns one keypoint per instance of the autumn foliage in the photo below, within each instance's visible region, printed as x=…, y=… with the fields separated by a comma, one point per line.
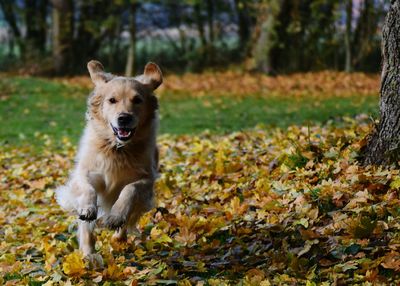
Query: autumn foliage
x=239, y=84
x=264, y=206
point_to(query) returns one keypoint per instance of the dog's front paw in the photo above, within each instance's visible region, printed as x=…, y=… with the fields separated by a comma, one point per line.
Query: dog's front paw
x=88, y=213
x=95, y=261
x=115, y=221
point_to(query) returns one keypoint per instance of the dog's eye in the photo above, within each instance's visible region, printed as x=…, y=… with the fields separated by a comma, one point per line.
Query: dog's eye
x=137, y=100
x=112, y=100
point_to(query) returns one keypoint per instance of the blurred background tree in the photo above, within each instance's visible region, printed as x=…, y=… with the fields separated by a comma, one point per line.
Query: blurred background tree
x=56, y=37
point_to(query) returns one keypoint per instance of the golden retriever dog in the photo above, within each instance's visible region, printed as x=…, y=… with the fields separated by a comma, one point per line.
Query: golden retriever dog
x=117, y=160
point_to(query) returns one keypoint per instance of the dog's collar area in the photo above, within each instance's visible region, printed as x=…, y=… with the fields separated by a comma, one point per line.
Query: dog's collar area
x=119, y=145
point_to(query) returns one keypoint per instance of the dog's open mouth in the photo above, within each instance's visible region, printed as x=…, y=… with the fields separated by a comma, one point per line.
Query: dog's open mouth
x=122, y=133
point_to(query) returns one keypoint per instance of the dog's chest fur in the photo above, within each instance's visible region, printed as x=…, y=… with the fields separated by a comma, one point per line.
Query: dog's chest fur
x=110, y=167
x=118, y=168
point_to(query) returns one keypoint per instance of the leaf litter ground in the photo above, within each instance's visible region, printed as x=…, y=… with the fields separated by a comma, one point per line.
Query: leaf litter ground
x=258, y=207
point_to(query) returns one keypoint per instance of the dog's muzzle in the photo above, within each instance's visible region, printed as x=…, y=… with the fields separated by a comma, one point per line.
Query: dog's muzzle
x=122, y=133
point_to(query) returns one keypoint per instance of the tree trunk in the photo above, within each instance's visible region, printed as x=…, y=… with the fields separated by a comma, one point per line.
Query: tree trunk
x=364, y=33
x=35, y=21
x=62, y=35
x=211, y=31
x=113, y=41
x=384, y=143
x=8, y=8
x=130, y=63
x=347, y=37
x=243, y=23
x=265, y=42
x=268, y=36
x=200, y=26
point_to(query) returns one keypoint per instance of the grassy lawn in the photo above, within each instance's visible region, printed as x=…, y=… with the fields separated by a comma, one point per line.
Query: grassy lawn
x=223, y=115
x=32, y=106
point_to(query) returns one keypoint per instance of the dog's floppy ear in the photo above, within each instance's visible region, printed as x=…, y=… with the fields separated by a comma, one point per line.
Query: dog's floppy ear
x=152, y=76
x=97, y=74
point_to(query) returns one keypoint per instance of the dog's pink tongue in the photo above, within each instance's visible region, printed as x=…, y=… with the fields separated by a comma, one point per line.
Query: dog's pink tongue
x=123, y=133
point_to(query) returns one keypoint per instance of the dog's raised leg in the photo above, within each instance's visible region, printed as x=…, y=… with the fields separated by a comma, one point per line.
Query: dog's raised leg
x=134, y=199
x=86, y=199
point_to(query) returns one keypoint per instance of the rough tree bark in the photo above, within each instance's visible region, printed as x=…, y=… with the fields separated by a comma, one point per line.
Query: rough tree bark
x=383, y=145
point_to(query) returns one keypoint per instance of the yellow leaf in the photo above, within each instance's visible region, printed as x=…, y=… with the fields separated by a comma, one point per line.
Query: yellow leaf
x=164, y=238
x=235, y=203
x=219, y=162
x=185, y=236
x=237, y=207
x=73, y=264
x=395, y=184
x=139, y=252
x=254, y=277
x=155, y=233
x=113, y=272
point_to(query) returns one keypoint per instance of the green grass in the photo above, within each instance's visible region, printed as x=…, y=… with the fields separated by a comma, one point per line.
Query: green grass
x=29, y=106
x=32, y=106
x=227, y=114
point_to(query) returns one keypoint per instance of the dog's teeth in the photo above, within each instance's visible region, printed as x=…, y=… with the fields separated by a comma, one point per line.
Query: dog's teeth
x=123, y=133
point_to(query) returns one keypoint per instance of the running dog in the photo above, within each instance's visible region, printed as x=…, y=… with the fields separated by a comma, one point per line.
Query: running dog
x=117, y=160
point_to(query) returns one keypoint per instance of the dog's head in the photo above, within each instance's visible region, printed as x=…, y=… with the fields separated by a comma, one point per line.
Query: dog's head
x=123, y=105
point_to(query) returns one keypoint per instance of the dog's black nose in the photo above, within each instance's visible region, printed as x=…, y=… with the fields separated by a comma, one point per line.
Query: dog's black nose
x=125, y=119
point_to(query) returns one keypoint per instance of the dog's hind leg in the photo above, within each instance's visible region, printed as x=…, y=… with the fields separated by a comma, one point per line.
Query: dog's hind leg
x=86, y=237
x=134, y=200
x=87, y=243
x=121, y=234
